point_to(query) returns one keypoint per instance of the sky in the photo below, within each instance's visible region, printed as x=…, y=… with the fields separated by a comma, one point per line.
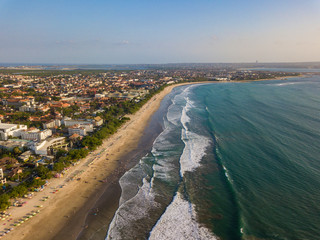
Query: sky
x=155, y=31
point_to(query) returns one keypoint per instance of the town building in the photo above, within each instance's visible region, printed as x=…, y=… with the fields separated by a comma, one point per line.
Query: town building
x=49, y=146
x=52, y=124
x=13, y=130
x=98, y=121
x=77, y=129
x=35, y=134
x=13, y=143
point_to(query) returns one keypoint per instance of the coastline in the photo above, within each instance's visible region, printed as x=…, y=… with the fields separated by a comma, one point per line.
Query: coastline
x=98, y=173
x=267, y=79
x=65, y=214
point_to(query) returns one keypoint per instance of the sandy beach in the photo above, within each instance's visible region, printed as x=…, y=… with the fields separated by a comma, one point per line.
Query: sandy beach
x=66, y=206
x=51, y=210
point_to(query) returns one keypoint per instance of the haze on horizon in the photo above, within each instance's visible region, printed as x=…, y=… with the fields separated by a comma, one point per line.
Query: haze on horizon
x=149, y=31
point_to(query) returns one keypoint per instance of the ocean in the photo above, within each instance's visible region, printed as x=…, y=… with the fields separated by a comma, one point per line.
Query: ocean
x=234, y=161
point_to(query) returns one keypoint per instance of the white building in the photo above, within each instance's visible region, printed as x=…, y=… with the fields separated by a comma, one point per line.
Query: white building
x=32, y=107
x=13, y=143
x=3, y=180
x=13, y=130
x=72, y=122
x=36, y=134
x=98, y=121
x=88, y=124
x=78, y=130
x=28, y=108
x=99, y=95
x=47, y=146
x=52, y=124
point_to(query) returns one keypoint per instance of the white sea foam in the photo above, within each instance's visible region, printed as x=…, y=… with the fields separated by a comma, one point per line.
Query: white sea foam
x=129, y=182
x=179, y=222
x=173, y=114
x=132, y=210
x=174, y=110
x=138, y=199
x=184, y=117
x=164, y=153
x=193, y=152
x=226, y=174
x=195, y=144
x=288, y=83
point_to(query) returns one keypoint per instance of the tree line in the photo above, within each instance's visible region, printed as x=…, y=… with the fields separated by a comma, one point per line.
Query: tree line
x=114, y=118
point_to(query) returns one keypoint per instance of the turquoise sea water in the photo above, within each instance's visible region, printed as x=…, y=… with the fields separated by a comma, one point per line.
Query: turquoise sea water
x=234, y=161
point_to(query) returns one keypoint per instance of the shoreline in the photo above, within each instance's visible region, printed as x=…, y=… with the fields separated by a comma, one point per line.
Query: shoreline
x=66, y=213
x=267, y=79
x=99, y=170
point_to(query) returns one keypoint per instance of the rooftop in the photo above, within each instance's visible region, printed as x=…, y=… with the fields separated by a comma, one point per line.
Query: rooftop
x=7, y=125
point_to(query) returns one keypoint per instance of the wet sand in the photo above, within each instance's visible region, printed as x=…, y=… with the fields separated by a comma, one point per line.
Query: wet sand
x=99, y=210
x=83, y=208
x=101, y=213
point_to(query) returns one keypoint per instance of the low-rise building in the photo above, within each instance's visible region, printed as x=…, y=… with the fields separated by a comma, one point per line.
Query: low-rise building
x=98, y=121
x=99, y=95
x=7, y=130
x=36, y=134
x=3, y=180
x=28, y=108
x=71, y=122
x=77, y=129
x=49, y=146
x=52, y=124
x=13, y=143
x=25, y=156
x=33, y=108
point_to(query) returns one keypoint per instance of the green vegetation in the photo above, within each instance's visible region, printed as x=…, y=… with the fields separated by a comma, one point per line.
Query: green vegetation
x=43, y=172
x=34, y=178
x=15, y=152
x=4, y=201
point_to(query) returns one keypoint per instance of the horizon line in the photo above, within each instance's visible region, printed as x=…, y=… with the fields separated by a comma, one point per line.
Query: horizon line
x=168, y=63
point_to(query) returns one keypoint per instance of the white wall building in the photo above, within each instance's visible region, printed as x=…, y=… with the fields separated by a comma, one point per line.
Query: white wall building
x=28, y=108
x=43, y=148
x=13, y=130
x=87, y=126
x=71, y=122
x=52, y=124
x=36, y=134
x=78, y=130
x=98, y=121
x=99, y=95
